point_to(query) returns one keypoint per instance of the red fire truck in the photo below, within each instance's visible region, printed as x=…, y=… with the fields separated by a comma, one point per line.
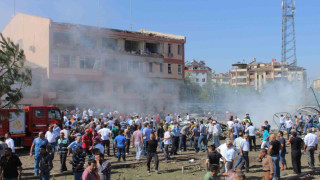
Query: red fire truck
x=24, y=124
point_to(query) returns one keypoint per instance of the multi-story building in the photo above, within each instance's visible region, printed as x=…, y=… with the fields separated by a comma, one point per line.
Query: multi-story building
x=258, y=74
x=221, y=78
x=198, y=72
x=316, y=84
x=85, y=65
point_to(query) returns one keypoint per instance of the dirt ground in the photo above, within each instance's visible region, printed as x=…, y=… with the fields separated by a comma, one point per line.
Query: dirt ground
x=172, y=170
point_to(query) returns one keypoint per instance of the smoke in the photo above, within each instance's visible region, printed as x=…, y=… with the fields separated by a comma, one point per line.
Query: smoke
x=275, y=97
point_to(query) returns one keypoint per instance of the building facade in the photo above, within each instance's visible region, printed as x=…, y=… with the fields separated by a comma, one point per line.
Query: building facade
x=316, y=84
x=221, y=78
x=198, y=72
x=258, y=74
x=87, y=65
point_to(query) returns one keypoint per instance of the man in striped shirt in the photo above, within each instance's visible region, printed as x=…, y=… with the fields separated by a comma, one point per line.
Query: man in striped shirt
x=63, y=150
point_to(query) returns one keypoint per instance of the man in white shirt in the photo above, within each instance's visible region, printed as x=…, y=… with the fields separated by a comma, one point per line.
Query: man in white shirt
x=52, y=139
x=167, y=141
x=237, y=145
x=289, y=126
x=244, y=149
x=209, y=129
x=227, y=151
x=251, y=130
x=110, y=123
x=216, y=131
x=310, y=145
x=66, y=131
x=90, y=112
x=9, y=141
x=229, y=125
x=282, y=120
x=105, y=136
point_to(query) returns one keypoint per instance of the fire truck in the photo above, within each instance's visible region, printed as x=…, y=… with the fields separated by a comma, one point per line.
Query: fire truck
x=25, y=123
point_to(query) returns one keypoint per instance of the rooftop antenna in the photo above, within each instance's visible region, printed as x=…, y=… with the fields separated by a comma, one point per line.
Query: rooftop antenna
x=288, y=50
x=130, y=15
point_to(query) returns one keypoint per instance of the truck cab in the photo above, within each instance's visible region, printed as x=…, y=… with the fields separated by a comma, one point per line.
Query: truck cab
x=25, y=125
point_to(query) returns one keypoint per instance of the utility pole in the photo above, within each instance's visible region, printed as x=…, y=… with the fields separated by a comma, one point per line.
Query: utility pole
x=288, y=51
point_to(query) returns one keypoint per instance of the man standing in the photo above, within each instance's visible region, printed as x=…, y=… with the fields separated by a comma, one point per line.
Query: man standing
x=244, y=149
x=175, y=133
x=52, y=139
x=195, y=136
x=127, y=134
x=267, y=165
x=36, y=144
x=87, y=141
x=152, y=152
x=120, y=142
x=213, y=157
x=281, y=121
x=184, y=132
x=9, y=141
x=289, y=126
x=229, y=156
x=310, y=145
x=209, y=129
x=216, y=131
x=115, y=132
x=283, y=151
x=308, y=124
x=45, y=163
x=160, y=135
x=235, y=130
x=296, y=146
x=265, y=138
x=237, y=146
x=166, y=141
x=203, y=136
x=63, y=150
x=77, y=162
x=229, y=125
x=146, y=137
x=274, y=152
x=251, y=130
x=168, y=119
x=137, y=141
x=10, y=165
x=105, y=136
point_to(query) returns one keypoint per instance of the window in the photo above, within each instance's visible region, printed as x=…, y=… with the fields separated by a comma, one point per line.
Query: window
x=152, y=48
x=150, y=67
x=179, y=49
x=54, y=114
x=161, y=67
x=169, y=69
x=203, y=79
x=109, y=43
x=131, y=46
x=64, y=61
x=197, y=80
x=88, y=42
x=61, y=38
x=87, y=62
x=179, y=69
x=169, y=51
x=39, y=113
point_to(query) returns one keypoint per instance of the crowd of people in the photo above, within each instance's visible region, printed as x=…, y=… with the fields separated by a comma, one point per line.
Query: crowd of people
x=90, y=136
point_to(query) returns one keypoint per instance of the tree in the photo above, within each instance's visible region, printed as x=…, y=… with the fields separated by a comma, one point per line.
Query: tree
x=14, y=77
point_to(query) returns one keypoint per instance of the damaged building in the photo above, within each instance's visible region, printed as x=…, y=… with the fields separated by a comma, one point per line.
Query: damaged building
x=198, y=72
x=86, y=65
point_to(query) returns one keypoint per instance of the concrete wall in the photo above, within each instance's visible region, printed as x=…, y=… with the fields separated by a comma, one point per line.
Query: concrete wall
x=33, y=34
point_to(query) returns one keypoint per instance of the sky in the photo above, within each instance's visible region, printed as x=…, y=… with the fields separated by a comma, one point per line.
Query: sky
x=218, y=32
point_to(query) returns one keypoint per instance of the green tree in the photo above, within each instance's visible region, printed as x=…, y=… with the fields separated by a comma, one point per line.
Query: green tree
x=14, y=77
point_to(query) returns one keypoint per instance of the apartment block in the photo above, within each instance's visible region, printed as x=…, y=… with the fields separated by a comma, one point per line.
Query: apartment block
x=221, y=78
x=198, y=72
x=257, y=74
x=83, y=63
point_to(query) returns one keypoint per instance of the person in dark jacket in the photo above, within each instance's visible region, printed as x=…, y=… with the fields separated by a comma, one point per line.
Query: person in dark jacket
x=152, y=152
x=45, y=164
